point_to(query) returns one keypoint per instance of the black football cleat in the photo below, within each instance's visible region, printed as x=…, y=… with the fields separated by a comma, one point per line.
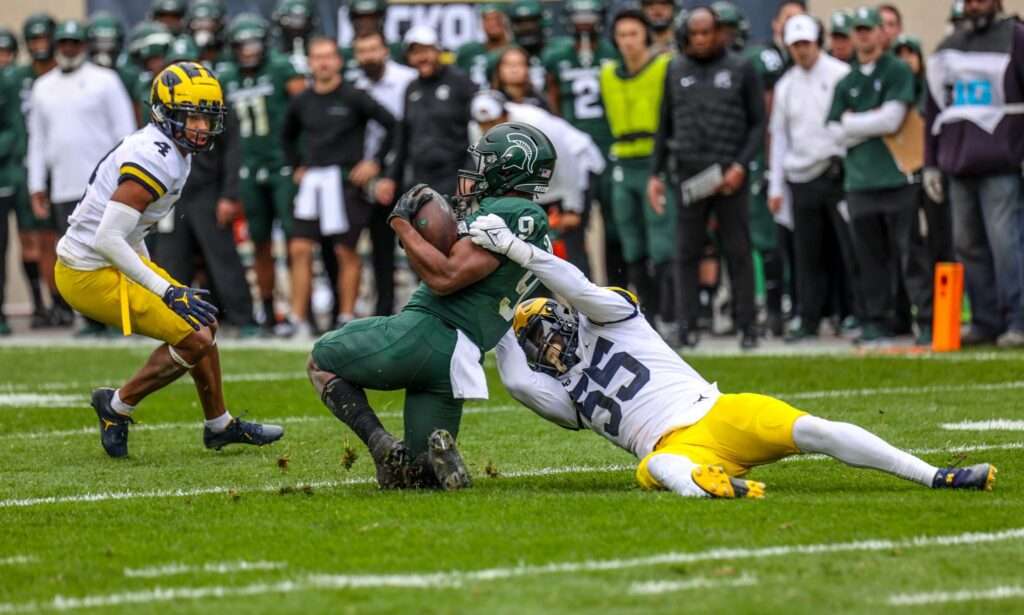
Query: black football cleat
x=391, y=458
x=981, y=476
x=449, y=468
x=242, y=432
x=113, y=426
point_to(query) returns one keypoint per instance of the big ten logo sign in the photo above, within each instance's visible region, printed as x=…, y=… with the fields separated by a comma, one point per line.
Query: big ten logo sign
x=455, y=23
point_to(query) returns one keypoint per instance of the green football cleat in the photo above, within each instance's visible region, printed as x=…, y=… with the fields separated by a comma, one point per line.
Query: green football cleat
x=718, y=484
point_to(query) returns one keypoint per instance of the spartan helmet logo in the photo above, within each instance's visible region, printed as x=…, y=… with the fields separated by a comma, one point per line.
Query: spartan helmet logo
x=522, y=143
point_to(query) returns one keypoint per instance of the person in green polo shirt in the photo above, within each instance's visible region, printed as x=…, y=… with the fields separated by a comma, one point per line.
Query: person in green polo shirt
x=868, y=110
x=631, y=91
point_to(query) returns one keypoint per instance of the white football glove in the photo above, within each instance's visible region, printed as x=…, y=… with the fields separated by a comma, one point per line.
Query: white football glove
x=932, y=180
x=491, y=233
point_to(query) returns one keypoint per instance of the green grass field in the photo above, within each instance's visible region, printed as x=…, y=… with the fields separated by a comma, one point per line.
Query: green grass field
x=553, y=523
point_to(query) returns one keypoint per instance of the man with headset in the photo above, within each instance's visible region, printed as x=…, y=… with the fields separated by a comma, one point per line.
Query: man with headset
x=712, y=125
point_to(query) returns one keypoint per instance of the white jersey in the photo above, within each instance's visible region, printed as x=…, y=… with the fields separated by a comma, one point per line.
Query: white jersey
x=148, y=157
x=629, y=385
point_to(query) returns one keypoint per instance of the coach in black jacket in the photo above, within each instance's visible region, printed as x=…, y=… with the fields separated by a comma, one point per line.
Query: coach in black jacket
x=712, y=114
x=432, y=138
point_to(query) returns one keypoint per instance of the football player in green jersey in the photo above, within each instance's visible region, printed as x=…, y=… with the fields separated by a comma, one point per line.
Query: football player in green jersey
x=37, y=236
x=770, y=65
x=433, y=348
x=529, y=30
x=294, y=23
x=573, y=66
x=205, y=22
x=147, y=46
x=475, y=57
x=8, y=48
x=258, y=87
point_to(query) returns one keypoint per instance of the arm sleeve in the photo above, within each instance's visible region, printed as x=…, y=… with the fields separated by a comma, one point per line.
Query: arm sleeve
x=291, y=131
x=661, y=139
x=754, y=95
x=603, y=306
x=884, y=120
x=118, y=221
x=779, y=142
x=36, y=146
x=538, y=392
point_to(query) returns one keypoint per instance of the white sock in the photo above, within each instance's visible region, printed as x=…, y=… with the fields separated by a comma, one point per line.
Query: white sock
x=220, y=423
x=675, y=472
x=858, y=447
x=119, y=406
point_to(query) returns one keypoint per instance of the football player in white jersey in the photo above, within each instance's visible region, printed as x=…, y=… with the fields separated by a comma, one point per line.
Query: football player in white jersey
x=600, y=364
x=104, y=272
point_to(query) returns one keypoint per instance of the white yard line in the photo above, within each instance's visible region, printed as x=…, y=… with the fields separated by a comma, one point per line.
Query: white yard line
x=459, y=578
x=197, y=424
x=870, y=392
x=169, y=570
x=17, y=560
x=42, y=400
x=113, y=380
x=1003, y=592
x=652, y=588
x=989, y=425
x=331, y=484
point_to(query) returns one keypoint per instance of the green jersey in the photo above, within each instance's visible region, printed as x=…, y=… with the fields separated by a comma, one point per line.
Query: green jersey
x=870, y=165
x=484, y=310
x=259, y=99
x=139, y=93
x=12, y=134
x=476, y=60
x=579, y=87
x=768, y=63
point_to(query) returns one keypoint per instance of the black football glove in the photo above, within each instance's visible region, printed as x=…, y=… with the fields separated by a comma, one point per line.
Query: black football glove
x=190, y=304
x=410, y=202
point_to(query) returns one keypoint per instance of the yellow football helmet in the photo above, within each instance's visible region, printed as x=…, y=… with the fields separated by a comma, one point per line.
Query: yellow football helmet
x=181, y=92
x=546, y=330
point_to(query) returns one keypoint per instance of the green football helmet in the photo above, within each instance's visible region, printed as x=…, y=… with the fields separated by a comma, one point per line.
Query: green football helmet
x=8, y=41
x=205, y=20
x=510, y=157
x=247, y=29
x=149, y=39
x=295, y=19
x=730, y=16
x=168, y=7
x=361, y=8
x=39, y=25
x=105, y=34
x=183, y=49
x=585, y=15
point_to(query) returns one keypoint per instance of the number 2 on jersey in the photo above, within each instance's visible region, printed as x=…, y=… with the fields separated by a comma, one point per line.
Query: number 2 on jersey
x=587, y=98
x=588, y=402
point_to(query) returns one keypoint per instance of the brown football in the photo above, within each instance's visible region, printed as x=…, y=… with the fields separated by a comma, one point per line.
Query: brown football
x=436, y=222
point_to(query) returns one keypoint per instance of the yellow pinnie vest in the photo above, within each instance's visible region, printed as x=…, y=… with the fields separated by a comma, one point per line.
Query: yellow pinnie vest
x=633, y=106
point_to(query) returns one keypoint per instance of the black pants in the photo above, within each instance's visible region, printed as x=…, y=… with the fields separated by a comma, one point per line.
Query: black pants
x=383, y=240
x=817, y=227
x=732, y=213
x=197, y=234
x=883, y=223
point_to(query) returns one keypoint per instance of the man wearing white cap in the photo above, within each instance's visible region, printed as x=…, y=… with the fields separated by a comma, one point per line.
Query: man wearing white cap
x=578, y=158
x=431, y=141
x=808, y=158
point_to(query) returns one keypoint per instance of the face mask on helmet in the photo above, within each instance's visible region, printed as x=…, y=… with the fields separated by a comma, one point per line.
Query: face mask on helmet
x=472, y=184
x=249, y=53
x=549, y=342
x=186, y=126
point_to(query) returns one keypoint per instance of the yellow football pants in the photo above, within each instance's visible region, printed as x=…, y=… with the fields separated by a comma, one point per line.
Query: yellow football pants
x=108, y=296
x=740, y=431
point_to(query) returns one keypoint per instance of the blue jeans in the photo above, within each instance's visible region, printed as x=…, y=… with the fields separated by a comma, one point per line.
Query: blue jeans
x=988, y=235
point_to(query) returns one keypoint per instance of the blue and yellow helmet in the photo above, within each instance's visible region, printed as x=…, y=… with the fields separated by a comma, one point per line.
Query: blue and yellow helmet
x=183, y=90
x=547, y=331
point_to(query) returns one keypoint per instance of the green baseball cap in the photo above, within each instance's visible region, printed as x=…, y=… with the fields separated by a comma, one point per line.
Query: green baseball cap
x=866, y=17
x=904, y=40
x=840, y=22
